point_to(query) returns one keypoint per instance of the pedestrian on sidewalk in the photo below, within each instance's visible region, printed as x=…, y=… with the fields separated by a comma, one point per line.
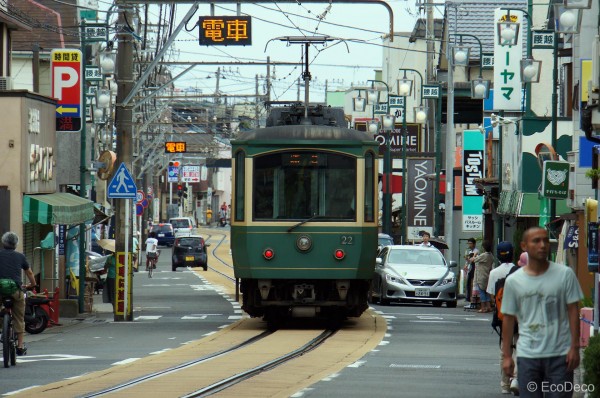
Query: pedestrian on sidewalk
x=469, y=268
x=483, y=266
x=543, y=297
x=504, y=253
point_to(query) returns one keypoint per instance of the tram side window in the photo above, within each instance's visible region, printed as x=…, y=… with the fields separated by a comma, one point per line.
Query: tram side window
x=369, y=187
x=240, y=183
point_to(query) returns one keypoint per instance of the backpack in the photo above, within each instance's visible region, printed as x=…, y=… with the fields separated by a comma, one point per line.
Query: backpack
x=8, y=287
x=498, y=316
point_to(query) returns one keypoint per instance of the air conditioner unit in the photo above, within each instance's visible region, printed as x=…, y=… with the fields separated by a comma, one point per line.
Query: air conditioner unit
x=5, y=83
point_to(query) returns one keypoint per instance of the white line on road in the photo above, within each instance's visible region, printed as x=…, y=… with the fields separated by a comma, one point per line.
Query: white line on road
x=357, y=364
x=411, y=366
x=52, y=357
x=148, y=317
x=19, y=391
x=125, y=361
x=434, y=321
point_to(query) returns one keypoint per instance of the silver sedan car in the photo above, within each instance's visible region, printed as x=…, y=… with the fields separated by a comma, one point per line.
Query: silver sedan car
x=413, y=273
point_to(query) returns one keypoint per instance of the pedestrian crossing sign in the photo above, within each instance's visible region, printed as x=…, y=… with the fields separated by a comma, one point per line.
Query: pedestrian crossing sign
x=122, y=185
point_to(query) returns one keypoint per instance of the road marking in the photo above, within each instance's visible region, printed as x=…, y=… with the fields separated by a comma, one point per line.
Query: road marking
x=157, y=285
x=429, y=317
x=187, y=317
x=478, y=319
x=357, y=364
x=202, y=287
x=147, y=317
x=76, y=377
x=235, y=317
x=52, y=357
x=433, y=321
x=411, y=366
x=126, y=361
x=160, y=352
x=19, y=391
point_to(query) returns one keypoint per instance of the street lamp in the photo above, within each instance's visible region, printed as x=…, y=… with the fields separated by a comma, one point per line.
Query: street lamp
x=405, y=86
x=359, y=103
x=480, y=87
x=567, y=19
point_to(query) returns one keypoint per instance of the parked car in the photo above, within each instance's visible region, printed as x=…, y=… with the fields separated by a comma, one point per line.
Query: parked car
x=384, y=240
x=164, y=234
x=413, y=273
x=183, y=226
x=189, y=251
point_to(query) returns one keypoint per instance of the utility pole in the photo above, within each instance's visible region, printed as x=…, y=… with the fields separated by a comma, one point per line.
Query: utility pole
x=256, y=108
x=430, y=77
x=326, y=84
x=217, y=99
x=268, y=79
x=298, y=94
x=124, y=127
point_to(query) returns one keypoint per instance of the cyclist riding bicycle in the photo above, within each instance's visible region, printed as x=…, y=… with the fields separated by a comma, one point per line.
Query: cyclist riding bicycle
x=151, y=249
x=11, y=264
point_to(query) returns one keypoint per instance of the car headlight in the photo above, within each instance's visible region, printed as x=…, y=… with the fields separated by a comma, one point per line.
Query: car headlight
x=395, y=279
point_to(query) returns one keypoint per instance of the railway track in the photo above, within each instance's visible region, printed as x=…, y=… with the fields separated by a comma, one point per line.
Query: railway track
x=204, y=375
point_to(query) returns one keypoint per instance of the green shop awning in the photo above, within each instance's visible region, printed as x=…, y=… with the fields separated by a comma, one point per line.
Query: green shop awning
x=525, y=204
x=57, y=208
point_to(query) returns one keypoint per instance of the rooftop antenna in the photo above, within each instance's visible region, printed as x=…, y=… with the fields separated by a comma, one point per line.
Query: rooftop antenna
x=306, y=41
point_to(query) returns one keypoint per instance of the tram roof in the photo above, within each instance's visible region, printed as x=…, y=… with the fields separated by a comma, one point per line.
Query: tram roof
x=304, y=132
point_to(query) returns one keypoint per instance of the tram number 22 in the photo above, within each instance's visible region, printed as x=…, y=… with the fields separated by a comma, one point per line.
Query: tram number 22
x=347, y=240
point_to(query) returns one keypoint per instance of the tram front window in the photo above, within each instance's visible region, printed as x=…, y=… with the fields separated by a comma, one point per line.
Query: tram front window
x=298, y=185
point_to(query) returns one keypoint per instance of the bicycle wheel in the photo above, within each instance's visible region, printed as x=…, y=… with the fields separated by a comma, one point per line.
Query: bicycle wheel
x=6, y=339
x=13, y=346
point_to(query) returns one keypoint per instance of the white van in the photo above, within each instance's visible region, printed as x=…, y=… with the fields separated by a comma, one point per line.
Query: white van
x=182, y=226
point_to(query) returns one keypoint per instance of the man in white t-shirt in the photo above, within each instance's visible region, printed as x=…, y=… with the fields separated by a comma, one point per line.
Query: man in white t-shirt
x=544, y=298
x=151, y=248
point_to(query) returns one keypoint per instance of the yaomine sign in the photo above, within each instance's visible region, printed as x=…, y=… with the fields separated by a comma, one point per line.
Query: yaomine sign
x=420, y=190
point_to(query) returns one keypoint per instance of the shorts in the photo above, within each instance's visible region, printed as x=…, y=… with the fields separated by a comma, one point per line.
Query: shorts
x=152, y=255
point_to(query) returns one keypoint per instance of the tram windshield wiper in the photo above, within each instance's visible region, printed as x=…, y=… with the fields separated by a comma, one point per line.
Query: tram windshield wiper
x=293, y=227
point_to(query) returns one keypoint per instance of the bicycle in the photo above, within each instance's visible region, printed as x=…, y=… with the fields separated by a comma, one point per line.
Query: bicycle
x=9, y=336
x=152, y=263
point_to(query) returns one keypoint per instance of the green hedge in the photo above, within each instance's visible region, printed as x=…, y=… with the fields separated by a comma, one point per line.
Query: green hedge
x=591, y=365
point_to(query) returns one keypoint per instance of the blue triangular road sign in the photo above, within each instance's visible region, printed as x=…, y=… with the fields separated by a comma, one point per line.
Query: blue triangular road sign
x=122, y=185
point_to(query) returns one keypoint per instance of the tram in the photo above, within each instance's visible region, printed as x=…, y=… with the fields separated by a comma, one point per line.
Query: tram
x=304, y=217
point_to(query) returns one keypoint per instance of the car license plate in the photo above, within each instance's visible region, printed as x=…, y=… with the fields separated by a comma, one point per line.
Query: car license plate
x=189, y=258
x=161, y=235
x=421, y=292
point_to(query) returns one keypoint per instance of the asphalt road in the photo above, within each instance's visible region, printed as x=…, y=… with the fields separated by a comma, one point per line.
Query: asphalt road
x=170, y=309
x=427, y=352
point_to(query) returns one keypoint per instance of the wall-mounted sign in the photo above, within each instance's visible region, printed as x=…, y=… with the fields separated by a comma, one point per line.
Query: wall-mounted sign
x=420, y=190
x=175, y=147
x=507, y=83
x=225, y=31
x=555, y=179
x=473, y=168
x=66, y=67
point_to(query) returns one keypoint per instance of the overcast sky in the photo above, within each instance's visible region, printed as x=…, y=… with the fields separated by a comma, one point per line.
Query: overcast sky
x=340, y=63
